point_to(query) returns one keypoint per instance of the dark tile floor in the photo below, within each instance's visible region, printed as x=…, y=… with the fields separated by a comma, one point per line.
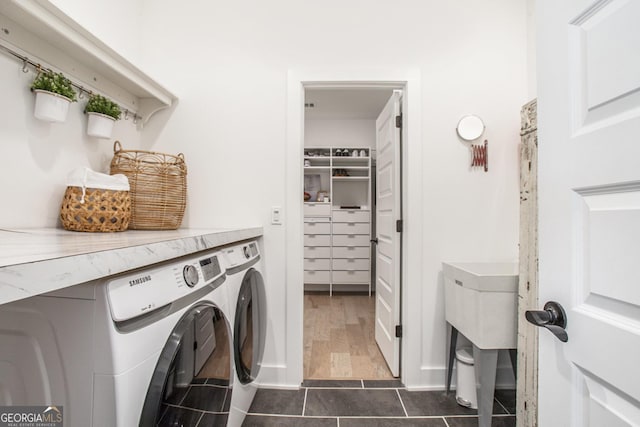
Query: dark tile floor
x=353, y=403
x=203, y=403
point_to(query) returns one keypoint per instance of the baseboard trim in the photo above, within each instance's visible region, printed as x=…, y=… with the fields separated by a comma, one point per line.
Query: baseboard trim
x=277, y=376
x=433, y=379
x=430, y=379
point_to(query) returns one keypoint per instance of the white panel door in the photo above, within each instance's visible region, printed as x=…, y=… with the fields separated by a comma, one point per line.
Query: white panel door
x=388, y=249
x=589, y=194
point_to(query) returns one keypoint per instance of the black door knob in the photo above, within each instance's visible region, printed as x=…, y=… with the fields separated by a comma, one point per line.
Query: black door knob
x=553, y=317
x=374, y=240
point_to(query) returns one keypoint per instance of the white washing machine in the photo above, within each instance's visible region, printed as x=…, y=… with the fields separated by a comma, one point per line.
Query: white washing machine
x=149, y=347
x=247, y=301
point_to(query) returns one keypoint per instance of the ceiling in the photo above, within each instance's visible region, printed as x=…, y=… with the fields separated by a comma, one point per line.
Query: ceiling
x=352, y=103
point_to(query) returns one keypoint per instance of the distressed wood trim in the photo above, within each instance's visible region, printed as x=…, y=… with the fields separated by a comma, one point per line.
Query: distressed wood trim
x=529, y=118
x=527, y=377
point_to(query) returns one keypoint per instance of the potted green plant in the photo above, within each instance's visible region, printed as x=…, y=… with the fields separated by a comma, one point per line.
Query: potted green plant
x=54, y=92
x=102, y=114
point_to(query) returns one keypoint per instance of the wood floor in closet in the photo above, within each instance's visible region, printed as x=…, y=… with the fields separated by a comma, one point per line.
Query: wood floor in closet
x=339, y=341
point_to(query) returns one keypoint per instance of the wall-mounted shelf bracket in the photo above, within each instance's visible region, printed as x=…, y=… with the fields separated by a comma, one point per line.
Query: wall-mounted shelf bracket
x=42, y=32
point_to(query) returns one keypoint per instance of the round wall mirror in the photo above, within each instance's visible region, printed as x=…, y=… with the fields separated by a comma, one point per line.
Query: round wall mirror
x=470, y=128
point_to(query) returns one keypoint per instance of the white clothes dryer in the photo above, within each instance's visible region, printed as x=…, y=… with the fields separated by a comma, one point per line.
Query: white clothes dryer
x=247, y=301
x=141, y=348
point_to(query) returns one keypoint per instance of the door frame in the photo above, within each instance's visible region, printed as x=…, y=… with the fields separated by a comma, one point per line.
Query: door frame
x=412, y=201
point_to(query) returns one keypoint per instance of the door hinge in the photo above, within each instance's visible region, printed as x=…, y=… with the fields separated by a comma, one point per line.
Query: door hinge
x=399, y=121
x=399, y=226
x=398, y=331
x=195, y=345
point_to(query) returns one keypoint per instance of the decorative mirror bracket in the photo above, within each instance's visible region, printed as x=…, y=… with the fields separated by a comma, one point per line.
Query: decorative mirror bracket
x=480, y=155
x=471, y=128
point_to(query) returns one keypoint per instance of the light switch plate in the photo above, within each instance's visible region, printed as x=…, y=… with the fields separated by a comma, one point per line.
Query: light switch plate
x=276, y=215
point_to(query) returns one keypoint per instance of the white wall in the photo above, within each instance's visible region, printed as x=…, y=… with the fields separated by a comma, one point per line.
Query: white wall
x=339, y=133
x=37, y=156
x=228, y=63
x=532, y=82
x=115, y=22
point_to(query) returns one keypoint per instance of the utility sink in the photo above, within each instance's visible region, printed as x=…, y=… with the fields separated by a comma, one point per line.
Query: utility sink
x=481, y=302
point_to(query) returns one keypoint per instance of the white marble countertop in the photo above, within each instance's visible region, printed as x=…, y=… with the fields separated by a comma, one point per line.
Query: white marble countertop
x=36, y=261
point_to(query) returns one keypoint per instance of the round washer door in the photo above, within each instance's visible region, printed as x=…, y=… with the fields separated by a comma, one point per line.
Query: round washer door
x=250, y=327
x=194, y=369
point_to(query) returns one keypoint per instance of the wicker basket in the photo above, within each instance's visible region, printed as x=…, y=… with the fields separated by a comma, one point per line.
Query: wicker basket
x=95, y=210
x=158, y=187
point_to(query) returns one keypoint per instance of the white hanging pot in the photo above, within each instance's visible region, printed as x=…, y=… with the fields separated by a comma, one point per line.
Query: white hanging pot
x=51, y=107
x=100, y=125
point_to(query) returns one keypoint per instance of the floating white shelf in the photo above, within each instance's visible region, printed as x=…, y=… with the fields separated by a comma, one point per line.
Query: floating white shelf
x=44, y=33
x=350, y=159
x=350, y=178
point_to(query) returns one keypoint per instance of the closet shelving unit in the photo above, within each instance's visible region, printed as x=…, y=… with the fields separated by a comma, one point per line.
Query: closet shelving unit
x=337, y=233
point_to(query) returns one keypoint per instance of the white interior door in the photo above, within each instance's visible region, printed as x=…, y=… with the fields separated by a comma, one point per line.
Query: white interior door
x=388, y=205
x=589, y=193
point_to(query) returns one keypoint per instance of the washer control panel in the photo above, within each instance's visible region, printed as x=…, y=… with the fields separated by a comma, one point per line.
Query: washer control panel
x=240, y=254
x=210, y=267
x=149, y=289
x=191, y=275
x=251, y=249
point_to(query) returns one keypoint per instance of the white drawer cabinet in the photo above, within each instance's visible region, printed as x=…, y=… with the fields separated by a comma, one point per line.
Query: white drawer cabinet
x=317, y=243
x=350, y=247
x=351, y=216
x=317, y=252
x=317, y=264
x=350, y=240
x=317, y=240
x=317, y=209
x=317, y=228
x=348, y=277
x=361, y=264
x=350, y=228
x=317, y=277
x=351, y=252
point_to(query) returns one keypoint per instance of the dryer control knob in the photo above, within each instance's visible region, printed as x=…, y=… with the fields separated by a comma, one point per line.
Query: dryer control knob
x=247, y=252
x=190, y=274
